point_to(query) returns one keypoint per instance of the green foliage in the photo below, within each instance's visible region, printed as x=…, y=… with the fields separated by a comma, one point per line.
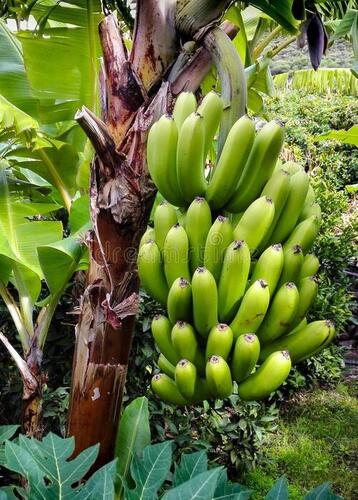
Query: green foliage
x=316, y=440
x=339, y=80
x=50, y=474
x=346, y=136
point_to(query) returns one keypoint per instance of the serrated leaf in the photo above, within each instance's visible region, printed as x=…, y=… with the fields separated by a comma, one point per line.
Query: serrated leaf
x=190, y=465
x=100, y=485
x=150, y=471
x=226, y=490
x=199, y=487
x=279, y=491
x=133, y=436
x=322, y=492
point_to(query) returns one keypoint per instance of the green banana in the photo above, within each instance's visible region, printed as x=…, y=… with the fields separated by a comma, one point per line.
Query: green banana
x=269, y=267
x=259, y=166
x=307, y=290
x=150, y=272
x=231, y=163
x=165, y=218
x=211, y=109
x=291, y=211
x=291, y=167
x=185, y=343
x=271, y=374
x=219, y=341
x=218, y=239
x=176, y=255
x=280, y=314
x=162, y=334
x=184, y=106
x=255, y=222
x=205, y=301
x=292, y=263
x=161, y=159
x=233, y=279
x=277, y=188
x=245, y=356
x=167, y=390
x=310, y=197
x=252, y=309
x=218, y=377
x=185, y=378
x=299, y=327
x=309, y=267
x=179, y=304
x=198, y=223
x=190, y=158
x=308, y=211
x=165, y=366
x=304, y=234
x=148, y=236
x=304, y=343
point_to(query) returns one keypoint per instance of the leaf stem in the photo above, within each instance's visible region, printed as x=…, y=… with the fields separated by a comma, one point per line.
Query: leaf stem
x=16, y=316
x=280, y=46
x=58, y=183
x=265, y=42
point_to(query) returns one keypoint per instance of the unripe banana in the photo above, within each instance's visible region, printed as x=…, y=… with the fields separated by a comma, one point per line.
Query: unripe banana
x=327, y=342
x=245, y=356
x=181, y=215
x=148, y=236
x=166, y=366
x=309, y=210
x=299, y=327
x=307, y=290
x=150, y=272
x=291, y=167
x=271, y=374
x=304, y=234
x=218, y=377
x=186, y=345
x=219, y=341
x=161, y=159
x=231, y=163
x=310, y=197
x=233, y=279
x=162, y=334
x=252, y=309
x=176, y=255
x=269, y=267
x=211, y=109
x=167, y=390
x=218, y=239
x=190, y=158
x=280, y=315
x=298, y=190
x=277, y=188
x=292, y=263
x=302, y=344
x=165, y=218
x=259, y=166
x=198, y=224
x=205, y=301
x=309, y=267
x=185, y=378
x=255, y=222
x=184, y=106
x=179, y=304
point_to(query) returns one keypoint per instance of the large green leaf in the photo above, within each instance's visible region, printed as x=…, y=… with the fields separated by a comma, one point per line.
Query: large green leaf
x=324, y=79
x=133, y=436
x=200, y=487
x=71, y=37
x=226, y=490
x=279, y=491
x=322, y=492
x=14, y=85
x=150, y=471
x=6, y=432
x=190, y=465
x=346, y=136
x=280, y=11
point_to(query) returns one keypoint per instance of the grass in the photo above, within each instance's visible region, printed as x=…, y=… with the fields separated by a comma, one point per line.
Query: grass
x=316, y=441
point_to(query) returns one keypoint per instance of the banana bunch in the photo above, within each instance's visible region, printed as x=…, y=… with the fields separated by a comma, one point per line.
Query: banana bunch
x=229, y=258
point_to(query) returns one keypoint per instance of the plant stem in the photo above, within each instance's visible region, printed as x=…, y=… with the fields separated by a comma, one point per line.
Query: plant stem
x=285, y=43
x=16, y=316
x=56, y=179
x=265, y=42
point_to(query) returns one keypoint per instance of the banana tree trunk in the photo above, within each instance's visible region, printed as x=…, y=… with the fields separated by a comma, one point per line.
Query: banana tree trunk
x=134, y=94
x=32, y=396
